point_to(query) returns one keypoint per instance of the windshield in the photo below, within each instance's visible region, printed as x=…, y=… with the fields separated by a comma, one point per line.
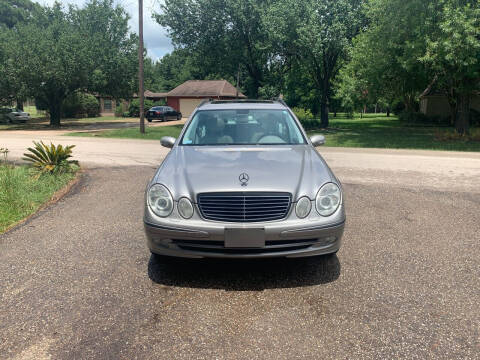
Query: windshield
x=242, y=127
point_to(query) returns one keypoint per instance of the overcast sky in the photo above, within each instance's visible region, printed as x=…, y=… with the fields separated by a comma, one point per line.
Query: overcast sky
x=155, y=37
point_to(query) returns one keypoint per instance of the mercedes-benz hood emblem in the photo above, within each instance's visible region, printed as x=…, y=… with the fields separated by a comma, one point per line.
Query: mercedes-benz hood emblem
x=244, y=179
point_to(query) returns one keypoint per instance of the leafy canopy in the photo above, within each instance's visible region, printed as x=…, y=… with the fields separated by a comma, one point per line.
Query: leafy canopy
x=70, y=49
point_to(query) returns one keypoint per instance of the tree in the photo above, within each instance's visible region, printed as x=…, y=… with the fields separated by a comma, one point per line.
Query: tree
x=111, y=48
x=315, y=34
x=12, y=12
x=63, y=51
x=16, y=11
x=174, y=69
x=428, y=43
x=385, y=57
x=221, y=35
x=454, y=55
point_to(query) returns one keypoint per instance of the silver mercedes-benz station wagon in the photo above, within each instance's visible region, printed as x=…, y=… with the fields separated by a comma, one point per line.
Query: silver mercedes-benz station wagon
x=243, y=181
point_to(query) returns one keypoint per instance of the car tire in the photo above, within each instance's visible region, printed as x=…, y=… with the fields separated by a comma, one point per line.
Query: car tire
x=160, y=259
x=149, y=120
x=179, y=117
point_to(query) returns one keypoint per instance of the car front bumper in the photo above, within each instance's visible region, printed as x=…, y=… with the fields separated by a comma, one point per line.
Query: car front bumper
x=19, y=119
x=282, y=238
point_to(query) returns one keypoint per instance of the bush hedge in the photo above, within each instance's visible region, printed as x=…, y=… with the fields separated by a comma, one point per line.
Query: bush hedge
x=80, y=105
x=134, y=107
x=119, y=110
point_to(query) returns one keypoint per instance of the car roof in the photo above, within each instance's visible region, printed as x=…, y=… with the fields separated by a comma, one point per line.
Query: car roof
x=242, y=104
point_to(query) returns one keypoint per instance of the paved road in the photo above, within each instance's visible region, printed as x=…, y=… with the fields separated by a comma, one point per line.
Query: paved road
x=77, y=282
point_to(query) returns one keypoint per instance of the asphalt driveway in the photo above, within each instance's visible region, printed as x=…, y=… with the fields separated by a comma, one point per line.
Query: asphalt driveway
x=77, y=282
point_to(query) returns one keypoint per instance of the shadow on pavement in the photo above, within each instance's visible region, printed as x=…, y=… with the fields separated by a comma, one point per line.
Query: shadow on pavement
x=244, y=275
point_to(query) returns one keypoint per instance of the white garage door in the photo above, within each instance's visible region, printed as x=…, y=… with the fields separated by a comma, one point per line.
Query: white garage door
x=188, y=105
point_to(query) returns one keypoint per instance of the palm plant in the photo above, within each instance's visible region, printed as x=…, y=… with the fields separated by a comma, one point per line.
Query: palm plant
x=53, y=159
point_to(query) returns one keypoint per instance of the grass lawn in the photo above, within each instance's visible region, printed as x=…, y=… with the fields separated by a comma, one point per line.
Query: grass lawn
x=34, y=113
x=22, y=193
x=151, y=133
x=380, y=131
x=41, y=123
x=371, y=131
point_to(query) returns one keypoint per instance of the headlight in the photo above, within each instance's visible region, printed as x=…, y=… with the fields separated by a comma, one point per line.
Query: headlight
x=328, y=199
x=303, y=207
x=160, y=200
x=185, y=208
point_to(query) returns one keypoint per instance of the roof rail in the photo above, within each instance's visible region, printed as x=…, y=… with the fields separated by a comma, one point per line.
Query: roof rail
x=203, y=102
x=281, y=101
x=242, y=101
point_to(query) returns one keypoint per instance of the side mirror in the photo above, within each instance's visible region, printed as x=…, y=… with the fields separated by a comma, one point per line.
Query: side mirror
x=317, y=140
x=167, y=141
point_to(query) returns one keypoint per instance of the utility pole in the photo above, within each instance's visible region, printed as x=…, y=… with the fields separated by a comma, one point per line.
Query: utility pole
x=141, y=92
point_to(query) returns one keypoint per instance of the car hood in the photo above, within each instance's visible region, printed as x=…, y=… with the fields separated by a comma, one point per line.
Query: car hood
x=190, y=170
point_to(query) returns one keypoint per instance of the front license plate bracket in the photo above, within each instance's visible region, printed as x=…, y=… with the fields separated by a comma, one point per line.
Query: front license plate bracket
x=244, y=238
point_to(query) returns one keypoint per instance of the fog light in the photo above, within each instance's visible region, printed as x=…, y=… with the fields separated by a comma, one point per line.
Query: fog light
x=185, y=208
x=304, y=205
x=329, y=239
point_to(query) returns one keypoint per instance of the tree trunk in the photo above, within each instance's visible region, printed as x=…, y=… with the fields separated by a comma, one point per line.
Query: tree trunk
x=453, y=111
x=408, y=101
x=388, y=111
x=255, y=88
x=452, y=102
x=20, y=104
x=462, y=121
x=55, y=109
x=324, y=113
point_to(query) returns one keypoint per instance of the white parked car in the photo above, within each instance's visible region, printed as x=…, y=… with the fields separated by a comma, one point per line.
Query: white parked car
x=12, y=115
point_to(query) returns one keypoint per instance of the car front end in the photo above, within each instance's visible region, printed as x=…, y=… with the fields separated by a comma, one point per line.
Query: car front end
x=243, y=200
x=290, y=236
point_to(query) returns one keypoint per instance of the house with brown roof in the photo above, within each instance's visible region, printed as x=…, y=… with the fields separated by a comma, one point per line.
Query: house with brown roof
x=434, y=102
x=184, y=98
x=187, y=96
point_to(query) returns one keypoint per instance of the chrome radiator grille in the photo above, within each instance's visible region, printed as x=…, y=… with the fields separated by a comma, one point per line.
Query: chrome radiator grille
x=244, y=206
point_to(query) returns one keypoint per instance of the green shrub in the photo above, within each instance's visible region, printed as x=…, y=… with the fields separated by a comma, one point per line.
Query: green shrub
x=311, y=124
x=119, y=110
x=302, y=114
x=80, y=105
x=161, y=102
x=91, y=105
x=306, y=118
x=50, y=159
x=72, y=106
x=134, y=107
